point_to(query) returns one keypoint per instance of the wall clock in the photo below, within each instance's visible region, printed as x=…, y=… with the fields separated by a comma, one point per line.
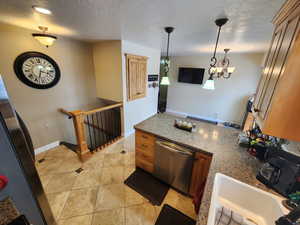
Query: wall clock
x=37, y=70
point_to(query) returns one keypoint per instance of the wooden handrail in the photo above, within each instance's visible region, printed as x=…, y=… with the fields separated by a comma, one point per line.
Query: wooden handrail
x=78, y=117
x=74, y=113
x=66, y=112
x=120, y=104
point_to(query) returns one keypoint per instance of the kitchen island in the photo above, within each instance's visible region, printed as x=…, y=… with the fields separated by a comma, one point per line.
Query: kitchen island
x=219, y=142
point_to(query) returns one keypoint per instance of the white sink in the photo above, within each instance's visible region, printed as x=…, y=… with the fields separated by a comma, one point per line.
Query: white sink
x=255, y=205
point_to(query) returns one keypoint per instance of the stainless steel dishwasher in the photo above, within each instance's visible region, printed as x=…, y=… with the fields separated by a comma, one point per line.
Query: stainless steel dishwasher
x=173, y=164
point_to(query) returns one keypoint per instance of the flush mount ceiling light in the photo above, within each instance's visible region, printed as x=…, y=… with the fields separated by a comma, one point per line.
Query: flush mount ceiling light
x=43, y=38
x=42, y=10
x=219, y=69
x=166, y=61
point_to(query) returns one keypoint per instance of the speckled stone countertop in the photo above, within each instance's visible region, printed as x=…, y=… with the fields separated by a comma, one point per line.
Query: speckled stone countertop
x=228, y=157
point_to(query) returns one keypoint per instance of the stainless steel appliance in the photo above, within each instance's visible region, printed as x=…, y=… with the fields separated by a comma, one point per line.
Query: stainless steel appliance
x=173, y=164
x=22, y=184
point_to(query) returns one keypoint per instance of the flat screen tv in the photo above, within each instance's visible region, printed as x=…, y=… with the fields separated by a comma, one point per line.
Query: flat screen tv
x=191, y=75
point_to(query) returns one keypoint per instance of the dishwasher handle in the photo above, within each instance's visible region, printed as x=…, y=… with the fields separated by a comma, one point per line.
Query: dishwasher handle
x=174, y=148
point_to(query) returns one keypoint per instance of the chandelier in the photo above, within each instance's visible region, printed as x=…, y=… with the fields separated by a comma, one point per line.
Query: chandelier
x=166, y=61
x=43, y=38
x=218, y=69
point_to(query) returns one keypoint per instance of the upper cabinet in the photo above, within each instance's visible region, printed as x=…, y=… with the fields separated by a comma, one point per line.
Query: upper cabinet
x=276, y=105
x=136, y=67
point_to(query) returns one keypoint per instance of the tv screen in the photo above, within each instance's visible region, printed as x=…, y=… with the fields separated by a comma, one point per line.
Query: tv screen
x=191, y=75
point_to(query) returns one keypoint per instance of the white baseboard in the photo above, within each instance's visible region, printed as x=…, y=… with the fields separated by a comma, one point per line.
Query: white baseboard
x=184, y=115
x=128, y=133
x=46, y=147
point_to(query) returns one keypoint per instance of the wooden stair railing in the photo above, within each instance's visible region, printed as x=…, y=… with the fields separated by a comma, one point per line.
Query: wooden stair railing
x=95, y=129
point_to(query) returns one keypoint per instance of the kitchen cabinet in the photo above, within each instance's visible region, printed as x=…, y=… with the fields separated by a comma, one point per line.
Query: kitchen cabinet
x=200, y=172
x=144, y=158
x=144, y=151
x=276, y=106
x=136, y=67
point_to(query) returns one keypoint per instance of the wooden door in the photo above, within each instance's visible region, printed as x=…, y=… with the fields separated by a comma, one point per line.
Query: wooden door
x=200, y=172
x=289, y=29
x=266, y=71
x=136, y=76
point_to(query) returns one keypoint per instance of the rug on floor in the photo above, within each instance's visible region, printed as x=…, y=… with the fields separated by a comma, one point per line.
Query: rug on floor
x=148, y=186
x=170, y=216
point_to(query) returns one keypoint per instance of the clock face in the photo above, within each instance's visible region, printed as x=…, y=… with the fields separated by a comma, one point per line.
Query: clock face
x=37, y=70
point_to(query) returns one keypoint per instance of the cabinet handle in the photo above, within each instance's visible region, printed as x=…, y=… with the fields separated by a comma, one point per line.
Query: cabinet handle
x=144, y=146
x=138, y=93
x=144, y=136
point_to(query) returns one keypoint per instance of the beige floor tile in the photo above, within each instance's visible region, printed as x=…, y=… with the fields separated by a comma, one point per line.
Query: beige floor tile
x=110, y=197
x=40, y=156
x=78, y=220
x=129, y=143
x=114, y=159
x=70, y=165
x=61, y=152
x=140, y=215
x=57, y=202
x=109, y=217
x=95, y=161
x=80, y=202
x=45, y=179
x=132, y=197
x=48, y=166
x=129, y=159
x=112, y=175
x=128, y=170
x=60, y=182
x=88, y=178
x=114, y=148
x=180, y=202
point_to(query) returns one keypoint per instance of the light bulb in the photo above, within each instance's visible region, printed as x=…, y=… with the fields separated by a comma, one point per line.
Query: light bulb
x=209, y=84
x=230, y=69
x=165, y=81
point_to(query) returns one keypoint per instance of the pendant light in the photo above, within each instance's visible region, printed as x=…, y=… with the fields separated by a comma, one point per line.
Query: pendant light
x=43, y=38
x=218, y=69
x=166, y=62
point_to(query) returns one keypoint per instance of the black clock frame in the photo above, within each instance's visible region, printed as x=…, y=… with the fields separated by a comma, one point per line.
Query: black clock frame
x=18, y=64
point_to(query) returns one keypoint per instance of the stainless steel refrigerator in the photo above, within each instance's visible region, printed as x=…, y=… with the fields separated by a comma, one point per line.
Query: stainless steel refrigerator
x=22, y=198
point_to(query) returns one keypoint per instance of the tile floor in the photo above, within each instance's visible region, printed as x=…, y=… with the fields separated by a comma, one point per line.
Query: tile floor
x=97, y=195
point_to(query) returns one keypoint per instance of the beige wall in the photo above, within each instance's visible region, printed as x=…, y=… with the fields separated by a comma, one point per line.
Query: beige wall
x=108, y=69
x=39, y=107
x=228, y=101
x=140, y=109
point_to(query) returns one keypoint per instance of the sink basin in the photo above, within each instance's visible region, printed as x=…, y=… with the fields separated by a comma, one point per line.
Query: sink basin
x=253, y=204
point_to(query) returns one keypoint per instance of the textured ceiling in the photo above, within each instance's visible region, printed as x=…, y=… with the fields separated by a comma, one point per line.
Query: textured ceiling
x=142, y=21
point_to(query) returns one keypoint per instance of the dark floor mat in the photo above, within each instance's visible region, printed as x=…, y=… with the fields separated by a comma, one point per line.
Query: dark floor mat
x=148, y=186
x=170, y=216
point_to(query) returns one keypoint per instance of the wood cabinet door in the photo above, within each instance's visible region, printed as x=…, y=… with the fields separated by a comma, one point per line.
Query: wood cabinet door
x=266, y=71
x=200, y=172
x=289, y=29
x=136, y=76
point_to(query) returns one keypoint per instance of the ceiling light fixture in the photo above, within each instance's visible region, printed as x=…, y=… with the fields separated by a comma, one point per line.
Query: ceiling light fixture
x=42, y=10
x=166, y=61
x=218, y=69
x=43, y=38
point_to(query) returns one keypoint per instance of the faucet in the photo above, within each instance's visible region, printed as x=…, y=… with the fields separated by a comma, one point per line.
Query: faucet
x=289, y=219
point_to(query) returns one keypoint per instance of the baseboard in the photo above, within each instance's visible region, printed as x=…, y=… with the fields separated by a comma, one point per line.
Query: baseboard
x=46, y=147
x=182, y=114
x=128, y=133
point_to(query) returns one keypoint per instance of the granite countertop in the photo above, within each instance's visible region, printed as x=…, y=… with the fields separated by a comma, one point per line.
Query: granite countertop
x=228, y=157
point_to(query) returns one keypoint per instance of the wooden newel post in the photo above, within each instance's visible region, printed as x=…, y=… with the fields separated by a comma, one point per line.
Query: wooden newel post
x=78, y=121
